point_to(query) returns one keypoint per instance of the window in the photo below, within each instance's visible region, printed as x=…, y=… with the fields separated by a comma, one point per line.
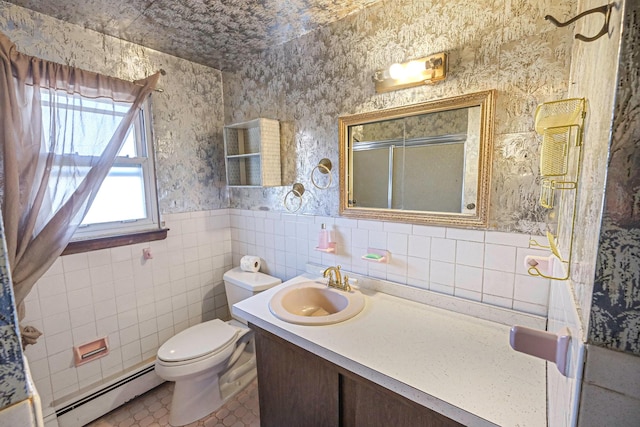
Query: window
x=126, y=201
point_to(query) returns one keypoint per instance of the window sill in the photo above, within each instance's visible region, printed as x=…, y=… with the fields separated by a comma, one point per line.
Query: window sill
x=114, y=241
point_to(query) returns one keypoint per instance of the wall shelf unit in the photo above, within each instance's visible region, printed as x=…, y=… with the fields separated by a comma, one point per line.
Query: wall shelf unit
x=560, y=123
x=252, y=153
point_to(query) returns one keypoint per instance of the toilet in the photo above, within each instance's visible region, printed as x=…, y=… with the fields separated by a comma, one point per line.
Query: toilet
x=212, y=361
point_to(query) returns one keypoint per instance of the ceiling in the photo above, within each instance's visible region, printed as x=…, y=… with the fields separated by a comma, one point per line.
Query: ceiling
x=217, y=33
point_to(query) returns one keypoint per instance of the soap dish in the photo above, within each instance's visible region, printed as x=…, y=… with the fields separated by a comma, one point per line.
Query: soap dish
x=331, y=249
x=376, y=255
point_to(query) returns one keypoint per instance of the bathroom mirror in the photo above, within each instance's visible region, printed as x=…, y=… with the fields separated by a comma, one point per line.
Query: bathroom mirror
x=421, y=163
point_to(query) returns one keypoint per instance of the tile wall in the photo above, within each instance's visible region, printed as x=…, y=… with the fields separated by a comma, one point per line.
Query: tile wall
x=611, y=389
x=485, y=266
x=137, y=304
x=563, y=392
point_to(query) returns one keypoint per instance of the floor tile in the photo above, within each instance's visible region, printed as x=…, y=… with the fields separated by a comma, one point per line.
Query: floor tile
x=152, y=410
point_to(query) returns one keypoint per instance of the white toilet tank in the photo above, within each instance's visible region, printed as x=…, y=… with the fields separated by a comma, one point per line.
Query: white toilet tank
x=239, y=284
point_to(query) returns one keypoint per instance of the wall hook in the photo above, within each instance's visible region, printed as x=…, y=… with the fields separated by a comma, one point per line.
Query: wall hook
x=605, y=10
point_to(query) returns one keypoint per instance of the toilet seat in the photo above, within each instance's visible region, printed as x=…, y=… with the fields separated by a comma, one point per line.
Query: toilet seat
x=212, y=361
x=198, y=342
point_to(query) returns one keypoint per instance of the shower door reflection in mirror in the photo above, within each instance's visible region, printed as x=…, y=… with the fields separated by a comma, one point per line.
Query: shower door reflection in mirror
x=427, y=162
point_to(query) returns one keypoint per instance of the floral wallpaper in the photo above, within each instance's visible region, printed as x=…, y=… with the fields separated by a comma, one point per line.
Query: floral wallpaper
x=12, y=370
x=220, y=34
x=615, y=312
x=432, y=124
x=309, y=82
x=187, y=114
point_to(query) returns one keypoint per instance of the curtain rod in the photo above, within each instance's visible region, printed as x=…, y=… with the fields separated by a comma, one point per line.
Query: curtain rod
x=162, y=73
x=159, y=90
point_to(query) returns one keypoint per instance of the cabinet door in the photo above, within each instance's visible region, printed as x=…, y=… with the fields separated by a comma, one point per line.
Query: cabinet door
x=365, y=404
x=296, y=387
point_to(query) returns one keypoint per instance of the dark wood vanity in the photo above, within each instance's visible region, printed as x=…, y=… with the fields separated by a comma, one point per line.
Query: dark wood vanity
x=300, y=389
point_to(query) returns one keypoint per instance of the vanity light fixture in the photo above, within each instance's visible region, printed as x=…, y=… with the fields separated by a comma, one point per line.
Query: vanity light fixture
x=428, y=70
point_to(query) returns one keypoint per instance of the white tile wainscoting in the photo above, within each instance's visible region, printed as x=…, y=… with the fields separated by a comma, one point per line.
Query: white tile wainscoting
x=137, y=304
x=611, y=389
x=478, y=265
x=563, y=392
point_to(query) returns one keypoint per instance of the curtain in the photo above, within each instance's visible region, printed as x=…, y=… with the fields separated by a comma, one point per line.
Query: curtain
x=46, y=191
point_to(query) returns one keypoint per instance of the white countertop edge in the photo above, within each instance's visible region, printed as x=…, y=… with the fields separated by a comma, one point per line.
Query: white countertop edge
x=479, y=310
x=261, y=316
x=385, y=381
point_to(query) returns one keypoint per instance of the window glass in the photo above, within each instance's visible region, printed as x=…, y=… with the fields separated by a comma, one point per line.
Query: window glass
x=87, y=124
x=120, y=198
x=129, y=148
x=126, y=201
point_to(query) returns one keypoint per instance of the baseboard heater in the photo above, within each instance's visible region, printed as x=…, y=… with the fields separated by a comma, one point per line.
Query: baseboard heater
x=107, y=397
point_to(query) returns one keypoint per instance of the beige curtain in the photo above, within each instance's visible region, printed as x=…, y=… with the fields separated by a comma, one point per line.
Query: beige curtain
x=41, y=206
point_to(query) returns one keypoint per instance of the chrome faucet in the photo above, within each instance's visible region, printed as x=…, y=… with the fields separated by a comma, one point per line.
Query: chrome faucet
x=338, y=283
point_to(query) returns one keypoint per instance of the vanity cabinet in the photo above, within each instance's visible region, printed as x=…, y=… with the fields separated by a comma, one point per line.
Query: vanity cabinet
x=299, y=389
x=252, y=153
x=295, y=387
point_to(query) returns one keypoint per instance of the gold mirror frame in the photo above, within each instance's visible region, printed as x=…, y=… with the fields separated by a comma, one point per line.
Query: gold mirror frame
x=486, y=100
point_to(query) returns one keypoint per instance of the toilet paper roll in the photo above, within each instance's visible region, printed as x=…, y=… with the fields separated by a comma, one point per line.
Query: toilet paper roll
x=250, y=263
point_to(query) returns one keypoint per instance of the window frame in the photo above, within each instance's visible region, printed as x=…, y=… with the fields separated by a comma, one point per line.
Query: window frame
x=143, y=129
x=120, y=233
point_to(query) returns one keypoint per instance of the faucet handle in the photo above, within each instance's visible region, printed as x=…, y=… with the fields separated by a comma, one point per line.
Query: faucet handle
x=345, y=283
x=338, y=282
x=330, y=282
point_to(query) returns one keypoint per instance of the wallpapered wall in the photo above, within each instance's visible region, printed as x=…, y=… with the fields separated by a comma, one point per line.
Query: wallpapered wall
x=608, y=304
x=12, y=371
x=311, y=81
x=587, y=82
x=615, y=314
x=187, y=123
x=187, y=116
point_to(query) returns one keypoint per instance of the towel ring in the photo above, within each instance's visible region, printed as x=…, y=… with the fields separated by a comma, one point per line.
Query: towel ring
x=297, y=191
x=324, y=167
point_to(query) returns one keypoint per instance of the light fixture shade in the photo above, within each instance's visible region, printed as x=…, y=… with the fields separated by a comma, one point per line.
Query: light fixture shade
x=428, y=70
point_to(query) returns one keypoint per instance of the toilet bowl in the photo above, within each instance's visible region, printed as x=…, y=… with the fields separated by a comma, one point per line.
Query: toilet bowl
x=212, y=361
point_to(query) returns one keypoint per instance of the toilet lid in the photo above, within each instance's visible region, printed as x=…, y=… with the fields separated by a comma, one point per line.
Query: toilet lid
x=254, y=282
x=197, y=341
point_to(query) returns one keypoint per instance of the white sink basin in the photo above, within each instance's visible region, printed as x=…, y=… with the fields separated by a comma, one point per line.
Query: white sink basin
x=313, y=303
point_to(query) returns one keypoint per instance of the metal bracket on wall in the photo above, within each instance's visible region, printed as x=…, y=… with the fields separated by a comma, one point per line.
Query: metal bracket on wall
x=605, y=10
x=324, y=167
x=296, y=192
x=560, y=123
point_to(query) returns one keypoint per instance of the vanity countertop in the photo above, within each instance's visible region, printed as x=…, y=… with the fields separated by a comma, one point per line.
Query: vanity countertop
x=455, y=364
